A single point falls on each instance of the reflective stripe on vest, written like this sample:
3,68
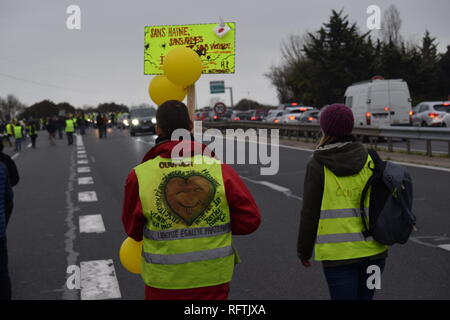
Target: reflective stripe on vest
339,233
342,213
188,257
187,236
188,233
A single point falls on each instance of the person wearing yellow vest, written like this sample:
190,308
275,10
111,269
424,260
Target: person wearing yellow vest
9,132
186,211
330,221
32,132
69,128
18,135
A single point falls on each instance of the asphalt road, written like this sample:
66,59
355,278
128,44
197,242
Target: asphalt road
44,235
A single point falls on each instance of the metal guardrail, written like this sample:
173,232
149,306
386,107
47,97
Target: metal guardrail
372,135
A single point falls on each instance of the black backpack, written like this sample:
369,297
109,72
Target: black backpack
390,210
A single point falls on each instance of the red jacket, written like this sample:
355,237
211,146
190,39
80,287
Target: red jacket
244,214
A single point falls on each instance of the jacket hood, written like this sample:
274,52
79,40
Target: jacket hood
164,149
342,158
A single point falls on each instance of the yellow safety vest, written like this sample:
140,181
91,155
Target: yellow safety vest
339,233
9,129
18,132
187,237
70,126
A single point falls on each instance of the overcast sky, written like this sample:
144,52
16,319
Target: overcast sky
40,58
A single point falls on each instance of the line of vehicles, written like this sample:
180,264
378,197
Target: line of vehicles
375,103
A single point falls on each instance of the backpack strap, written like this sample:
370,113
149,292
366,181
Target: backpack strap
376,172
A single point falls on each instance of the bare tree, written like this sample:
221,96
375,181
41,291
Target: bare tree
11,107
390,25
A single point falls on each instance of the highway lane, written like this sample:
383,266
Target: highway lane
270,268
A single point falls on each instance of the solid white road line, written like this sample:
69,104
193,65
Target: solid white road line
87,196
92,223
445,246
83,169
82,162
422,166
85,180
98,280
286,191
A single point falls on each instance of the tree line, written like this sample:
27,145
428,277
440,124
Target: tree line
317,67
11,107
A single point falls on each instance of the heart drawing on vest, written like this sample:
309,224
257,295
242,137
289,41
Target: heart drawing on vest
189,197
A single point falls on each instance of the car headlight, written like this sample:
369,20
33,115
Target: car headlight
135,122
125,122
153,120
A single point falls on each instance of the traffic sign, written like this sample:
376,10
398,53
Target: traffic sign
217,86
220,108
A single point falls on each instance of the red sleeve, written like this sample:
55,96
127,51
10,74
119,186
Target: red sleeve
245,215
132,216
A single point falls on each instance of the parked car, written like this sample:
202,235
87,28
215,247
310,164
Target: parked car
142,120
310,116
293,114
379,102
443,120
427,113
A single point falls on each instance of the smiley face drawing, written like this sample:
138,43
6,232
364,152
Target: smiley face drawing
189,197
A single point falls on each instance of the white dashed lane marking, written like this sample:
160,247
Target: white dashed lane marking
87,196
98,280
445,246
92,223
83,169
82,156
85,161
85,180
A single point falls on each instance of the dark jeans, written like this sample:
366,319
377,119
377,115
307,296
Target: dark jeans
33,140
70,137
349,282
5,282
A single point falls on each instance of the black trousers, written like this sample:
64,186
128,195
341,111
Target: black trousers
5,281
33,140
70,137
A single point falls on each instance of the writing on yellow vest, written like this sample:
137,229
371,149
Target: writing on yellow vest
339,233
70,127
187,236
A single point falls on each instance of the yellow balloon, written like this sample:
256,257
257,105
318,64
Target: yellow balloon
182,66
161,90
130,255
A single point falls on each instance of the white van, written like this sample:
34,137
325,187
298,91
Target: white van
378,103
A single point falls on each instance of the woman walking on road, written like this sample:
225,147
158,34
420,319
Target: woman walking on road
330,220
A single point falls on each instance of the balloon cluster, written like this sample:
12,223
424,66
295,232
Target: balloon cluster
182,67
